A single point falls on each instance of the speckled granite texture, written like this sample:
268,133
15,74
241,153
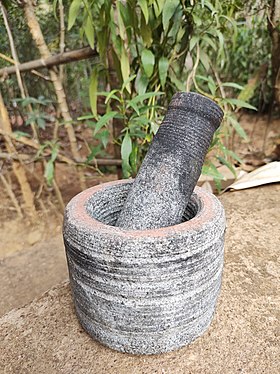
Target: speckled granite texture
143,291
172,166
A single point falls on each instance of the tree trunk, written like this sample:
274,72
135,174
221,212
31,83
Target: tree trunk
274,30
39,40
18,168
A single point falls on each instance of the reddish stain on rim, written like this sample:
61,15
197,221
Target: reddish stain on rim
77,207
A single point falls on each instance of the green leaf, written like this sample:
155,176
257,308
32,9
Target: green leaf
146,33
194,40
141,98
221,41
211,171
211,85
177,82
125,68
126,148
104,120
90,116
209,41
54,152
234,26
131,104
158,7
204,58
218,184
73,12
210,7
21,133
163,68
41,123
94,152
148,61
154,127
169,9
111,95
120,22
227,164
233,85
49,172
93,86
197,20
144,7
89,31
238,128
128,80
234,156
54,9
104,137
240,103
141,82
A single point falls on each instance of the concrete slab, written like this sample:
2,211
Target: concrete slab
45,337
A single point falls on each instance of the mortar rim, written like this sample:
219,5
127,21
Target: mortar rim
78,212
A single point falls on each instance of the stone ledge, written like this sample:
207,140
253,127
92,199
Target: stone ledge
45,337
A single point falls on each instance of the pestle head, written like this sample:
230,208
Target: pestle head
198,104
172,166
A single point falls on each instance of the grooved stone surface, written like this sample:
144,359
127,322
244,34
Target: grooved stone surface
147,291
244,337
172,166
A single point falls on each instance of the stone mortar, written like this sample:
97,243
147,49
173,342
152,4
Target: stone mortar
172,166
143,291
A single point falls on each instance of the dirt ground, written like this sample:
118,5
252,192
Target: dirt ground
244,337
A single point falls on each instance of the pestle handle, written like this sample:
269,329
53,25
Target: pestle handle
173,163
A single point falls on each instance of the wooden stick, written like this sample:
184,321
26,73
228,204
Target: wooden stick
11,194
16,60
62,58
9,59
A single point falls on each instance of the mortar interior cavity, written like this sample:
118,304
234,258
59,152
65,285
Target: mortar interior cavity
105,205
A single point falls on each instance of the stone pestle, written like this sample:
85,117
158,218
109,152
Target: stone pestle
172,166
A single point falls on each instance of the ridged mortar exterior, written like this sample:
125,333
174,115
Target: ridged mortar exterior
146,291
172,166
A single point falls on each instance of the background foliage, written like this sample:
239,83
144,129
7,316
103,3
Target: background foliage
164,46
148,50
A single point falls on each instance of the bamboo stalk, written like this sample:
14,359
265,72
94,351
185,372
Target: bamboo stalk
12,46
60,93
39,40
61,36
16,60
16,165
18,169
51,61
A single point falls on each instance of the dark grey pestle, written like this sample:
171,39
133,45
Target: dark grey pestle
172,166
